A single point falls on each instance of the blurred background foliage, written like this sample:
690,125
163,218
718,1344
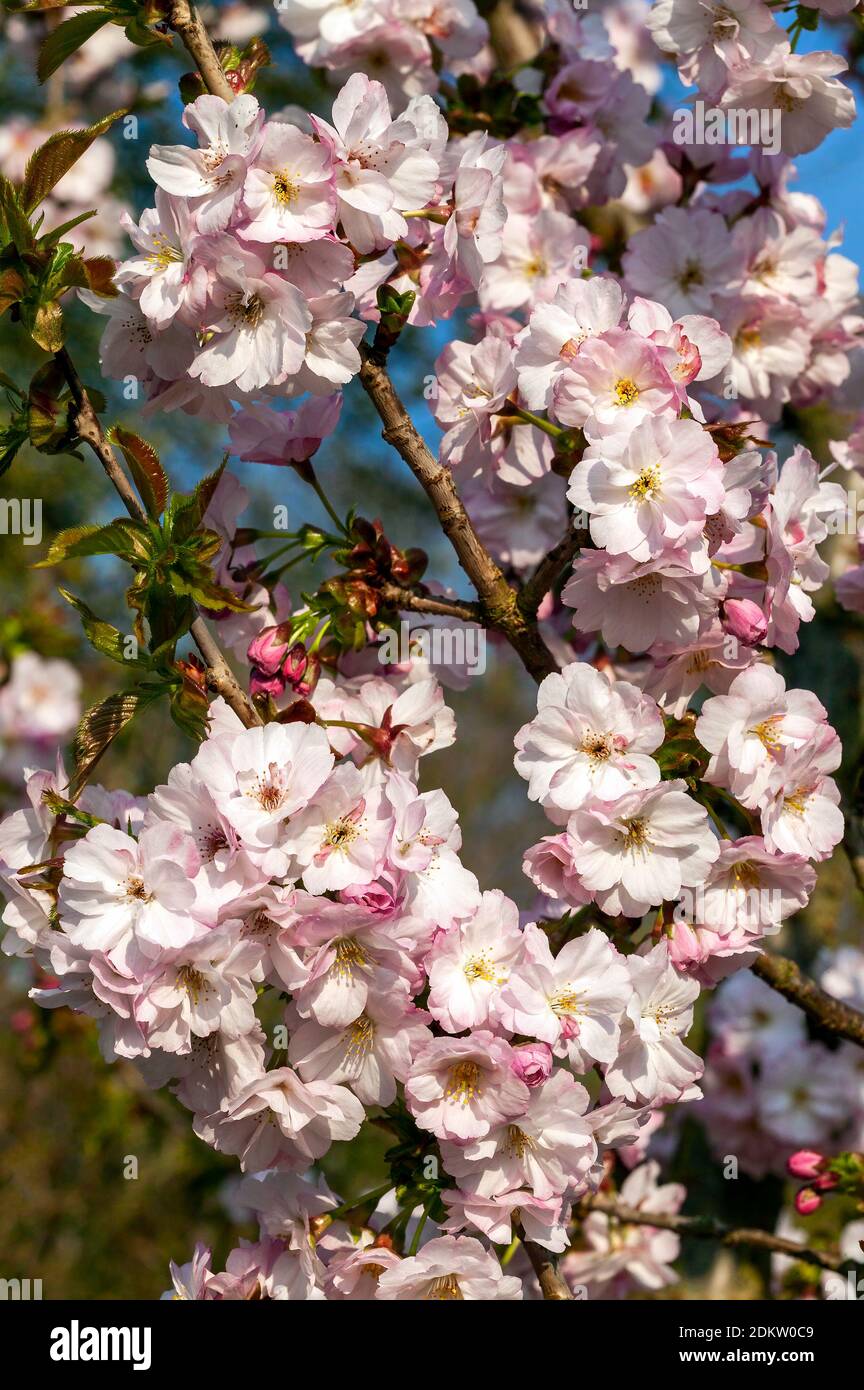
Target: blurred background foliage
71,1211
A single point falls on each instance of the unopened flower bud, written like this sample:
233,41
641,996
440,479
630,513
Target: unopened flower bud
807,1201
806,1163
744,619
532,1062
268,650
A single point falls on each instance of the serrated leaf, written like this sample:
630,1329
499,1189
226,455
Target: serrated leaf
18,229
100,276
128,539
189,710
66,39
187,513
47,166
148,474
100,726
59,806
103,636
12,288
51,238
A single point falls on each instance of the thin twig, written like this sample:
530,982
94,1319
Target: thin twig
187,24
220,677
706,1228
535,588
499,603
462,609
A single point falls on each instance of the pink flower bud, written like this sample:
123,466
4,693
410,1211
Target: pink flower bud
807,1201
745,620
806,1163
267,651
301,671
826,1181
532,1062
261,683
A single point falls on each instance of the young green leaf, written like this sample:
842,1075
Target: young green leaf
148,474
100,726
106,639
66,39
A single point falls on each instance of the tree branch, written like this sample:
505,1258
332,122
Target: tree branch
462,609
552,1285
499,603
186,22
535,589
706,1228
220,677
830,1013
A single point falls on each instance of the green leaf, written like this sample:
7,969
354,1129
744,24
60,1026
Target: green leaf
66,39
100,726
128,539
103,636
48,417
189,710
149,475
186,513
61,151
18,229
59,806
52,237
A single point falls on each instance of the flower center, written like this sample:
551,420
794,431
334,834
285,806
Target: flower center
350,956
285,189
797,802
135,889
163,253
192,982
646,485
691,275
479,967
358,1043
340,833
464,1083
626,391
766,731
518,1142
245,309
268,791
635,832
598,747
746,875
566,1001
446,1286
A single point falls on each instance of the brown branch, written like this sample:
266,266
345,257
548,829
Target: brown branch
499,603
535,588
220,677
186,22
463,609
552,1285
830,1013
706,1228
